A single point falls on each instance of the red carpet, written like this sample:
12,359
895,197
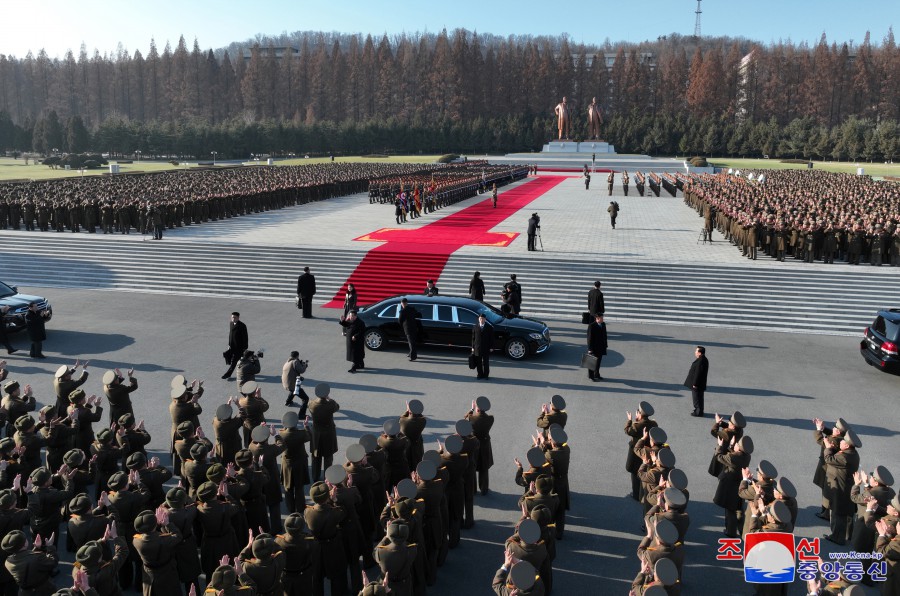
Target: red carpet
410,257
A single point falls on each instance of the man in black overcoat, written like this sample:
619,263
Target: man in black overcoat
696,379
482,344
37,333
596,340
238,342
595,300
306,289
356,340
409,322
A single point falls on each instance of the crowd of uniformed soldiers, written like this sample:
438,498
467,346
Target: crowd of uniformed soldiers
809,216
119,204
413,195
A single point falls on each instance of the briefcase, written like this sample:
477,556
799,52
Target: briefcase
585,318
473,361
588,361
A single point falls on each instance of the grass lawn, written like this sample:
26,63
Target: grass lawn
15,169
872,169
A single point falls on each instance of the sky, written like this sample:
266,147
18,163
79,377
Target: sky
60,25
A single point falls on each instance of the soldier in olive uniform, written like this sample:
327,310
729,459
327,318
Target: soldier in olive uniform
217,518
762,489
412,424
252,408
395,556
294,461
322,410
226,430
323,521
267,453
867,488
183,515
553,413
265,563
481,427
44,502
156,541
103,575
841,462
517,578
65,383
395,446
297,546
820,434
635,429
470,451
526,545
32,569
731,460
118,394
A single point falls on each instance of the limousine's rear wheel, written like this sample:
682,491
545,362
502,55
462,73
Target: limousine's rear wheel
375,339
516,349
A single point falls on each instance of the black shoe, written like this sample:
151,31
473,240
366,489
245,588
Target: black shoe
591,376
480,377
824,515
289,403
12,351
352,370
830,538
695,413
225,376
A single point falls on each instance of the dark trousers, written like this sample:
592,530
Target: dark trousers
483,366
411,340
697,396
484,480
157,232
4,338
732,527
595,372
469,498
235,356
295,498
612,220
306,304
317,466
275,518
37,348
531,238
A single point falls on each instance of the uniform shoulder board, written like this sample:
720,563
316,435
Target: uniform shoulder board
411,544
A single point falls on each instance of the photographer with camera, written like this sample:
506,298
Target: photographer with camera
534,224
248,367
291,377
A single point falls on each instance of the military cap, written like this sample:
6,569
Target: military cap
746,444
263,547
406,488
666,531
7,444
62,371
666,457
24,423
658,435
207,491
46,411
199,451
678,479
7,498
355,453
290,420
391,427
426,470
178,381
646,409
73,458
223,412
403,508
841,425
126,420
665,572
109,377
558,435
14,542
779,510
318,492
541,514
10,386
558,402
535,457
90,554
369,443
243,458
883,476
416,406
523,575
463,427
249,388
215,473
104,435
117,481
145,522
397,530
482,403
294,523
675,498
767,469
335,474
178,392
851,437
40,476
738,419
786,488
76,395
323,390
223,577
895,502
185,429
453,444
260,434
544,484
529,531
138,460
176,497
432,456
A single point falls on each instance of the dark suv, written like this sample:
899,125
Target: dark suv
449,320
881,345
18,306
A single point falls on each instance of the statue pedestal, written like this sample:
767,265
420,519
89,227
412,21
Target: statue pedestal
565,146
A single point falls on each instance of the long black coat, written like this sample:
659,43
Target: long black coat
483,339
237,337
476,289
34,322
595,302
356,340
306,285
697,375
596,339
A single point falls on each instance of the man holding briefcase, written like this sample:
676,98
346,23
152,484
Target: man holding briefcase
596,340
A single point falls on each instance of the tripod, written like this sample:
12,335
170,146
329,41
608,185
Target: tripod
540,241
704,236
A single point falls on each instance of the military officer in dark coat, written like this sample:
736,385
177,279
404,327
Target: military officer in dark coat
217,518
732,459
294,461
264,563
324,523
225,428
841,462
355,334
597,344
324,434
696,379
32,569
118,394
822,433
64,383
635,430
183,515
396,556
156,542
297,546
412,425
517,578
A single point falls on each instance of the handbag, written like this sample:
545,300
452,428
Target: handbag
585,318
473,361
588,361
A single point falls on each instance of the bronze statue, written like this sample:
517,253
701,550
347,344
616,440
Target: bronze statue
595,119
563,120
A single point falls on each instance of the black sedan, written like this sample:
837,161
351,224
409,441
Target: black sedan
18,306
449,320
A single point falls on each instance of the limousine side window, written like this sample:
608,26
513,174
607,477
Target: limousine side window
390,312
445,313
426,310
466,316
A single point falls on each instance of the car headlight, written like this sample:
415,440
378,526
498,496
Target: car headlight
536,336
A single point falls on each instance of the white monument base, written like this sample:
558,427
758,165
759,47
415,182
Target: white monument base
582,147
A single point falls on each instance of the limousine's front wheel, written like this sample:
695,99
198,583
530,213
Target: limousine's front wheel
516,349
375,339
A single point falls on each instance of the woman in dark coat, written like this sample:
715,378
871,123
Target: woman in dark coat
349,299
355,332
476,287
